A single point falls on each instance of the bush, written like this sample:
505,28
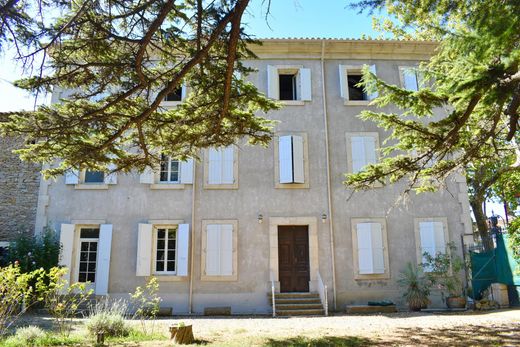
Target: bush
108,317
35,251
29,335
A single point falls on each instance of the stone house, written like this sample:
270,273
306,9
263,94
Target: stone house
246,221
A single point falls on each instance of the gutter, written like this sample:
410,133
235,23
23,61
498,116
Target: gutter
327,156
192,250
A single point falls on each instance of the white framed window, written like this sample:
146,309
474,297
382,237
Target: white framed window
91,179
362,150
170,171
163,248
171,174
176,97
219,250
86,250
350,91
431,235
410,78
291,161
370,245
289,83
221,168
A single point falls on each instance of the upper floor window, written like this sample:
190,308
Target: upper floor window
350,77
220,168
362,150
171,173
410,78
170,170
289,83
92,176
176,95
91,179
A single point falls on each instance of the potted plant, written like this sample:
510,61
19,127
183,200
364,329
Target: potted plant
443,270
416,289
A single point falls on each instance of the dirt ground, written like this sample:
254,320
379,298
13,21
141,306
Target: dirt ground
491,328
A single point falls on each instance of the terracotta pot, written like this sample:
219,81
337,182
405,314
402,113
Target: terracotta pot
456,302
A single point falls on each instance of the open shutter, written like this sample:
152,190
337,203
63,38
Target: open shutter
213,250
144,249
67,245
273,88
358,153
365,256
374,95
305,84
228,157
440,242
184,91
147,176
183,247
187,171
297,156
378,254
111,177
214,166
103,259
427,236
226,250
285,158
72,176
343,88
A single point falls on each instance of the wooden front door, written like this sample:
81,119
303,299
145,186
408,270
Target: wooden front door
293,258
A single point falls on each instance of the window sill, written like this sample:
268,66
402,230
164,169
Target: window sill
385,276
207,278
166,186
357,102
291,185
170,278
91,186
220,186
292,102
170,103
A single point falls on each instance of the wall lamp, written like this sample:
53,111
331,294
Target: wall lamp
260,218
323,217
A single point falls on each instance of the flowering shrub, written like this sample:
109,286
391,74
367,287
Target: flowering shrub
35,251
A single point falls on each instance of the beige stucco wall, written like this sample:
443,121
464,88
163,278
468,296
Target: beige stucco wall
128,203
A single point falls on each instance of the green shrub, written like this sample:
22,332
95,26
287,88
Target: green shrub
29,335
35,251
108,317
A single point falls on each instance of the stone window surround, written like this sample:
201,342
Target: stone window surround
276,165
348,135
208,278
289,69
234,185
353,69
312,223
443,220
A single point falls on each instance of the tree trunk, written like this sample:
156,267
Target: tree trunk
182,335
480,217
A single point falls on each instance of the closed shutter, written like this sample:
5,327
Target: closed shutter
285,158
111,177
72,176
215,166
144,249
364,236
226,250
378,254
298,158
147,176
183,247
228,157
374,95
187,171
273,88
343,90
409,78
370,149
213,250
358,153
103,259
67,246
305,84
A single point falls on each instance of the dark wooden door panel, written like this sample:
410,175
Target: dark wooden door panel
293,258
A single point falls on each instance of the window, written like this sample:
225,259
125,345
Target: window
171,174
87,257
431,235
92,176
289,83
91,179
370,248
410,78
362,150
170,170
219,257
165,247
176,95
290,156
349,78
220,168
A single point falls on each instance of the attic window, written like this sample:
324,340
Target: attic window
355,92
176,95
287,86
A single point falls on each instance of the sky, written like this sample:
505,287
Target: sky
287,18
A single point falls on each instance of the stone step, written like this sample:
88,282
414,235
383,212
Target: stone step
295,295
311,312
299,306
298,301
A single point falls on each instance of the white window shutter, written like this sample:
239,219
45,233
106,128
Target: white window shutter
144,249
273,88
305,84
343,87
72,176
285,158
213,250
365,256
370,149
358,153
378,252
298,158
183,249
214,166
184,92
111,177
103,259
374,95
409,78
147,176
67,246
226,250
228,156
440,242
427,236
187,171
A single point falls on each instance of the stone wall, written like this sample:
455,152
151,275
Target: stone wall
19,182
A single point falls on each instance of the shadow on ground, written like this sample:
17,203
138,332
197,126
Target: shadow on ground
346,341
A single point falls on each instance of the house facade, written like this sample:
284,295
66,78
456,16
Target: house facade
226,230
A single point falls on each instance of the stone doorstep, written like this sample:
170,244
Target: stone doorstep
217,311
353,309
